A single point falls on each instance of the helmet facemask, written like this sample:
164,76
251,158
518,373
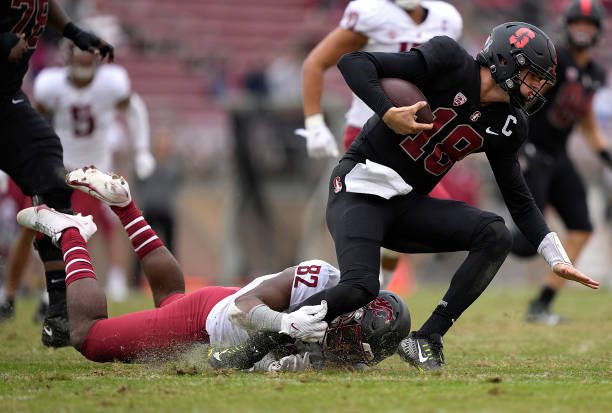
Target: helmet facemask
343,341
513,84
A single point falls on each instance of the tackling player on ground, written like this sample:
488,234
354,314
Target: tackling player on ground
30,151
378,192
550,173
220,316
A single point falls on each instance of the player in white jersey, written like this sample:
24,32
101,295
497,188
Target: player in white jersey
376,26
369,25
83,100
220,316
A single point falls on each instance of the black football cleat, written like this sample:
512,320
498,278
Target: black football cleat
244,355
423,352
538,313
7,310
55,328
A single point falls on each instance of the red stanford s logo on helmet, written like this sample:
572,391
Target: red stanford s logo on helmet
521,37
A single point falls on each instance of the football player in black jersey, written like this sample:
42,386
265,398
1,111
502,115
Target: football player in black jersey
378,191
30,151
550,174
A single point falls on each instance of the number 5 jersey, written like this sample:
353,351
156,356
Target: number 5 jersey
84,117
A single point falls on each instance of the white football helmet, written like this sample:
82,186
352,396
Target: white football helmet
408,4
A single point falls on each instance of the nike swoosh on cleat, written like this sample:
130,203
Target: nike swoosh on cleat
48,331
421,358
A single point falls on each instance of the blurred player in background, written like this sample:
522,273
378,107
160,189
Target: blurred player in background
83,100
220,316
550,174
12,243
30,151
369,25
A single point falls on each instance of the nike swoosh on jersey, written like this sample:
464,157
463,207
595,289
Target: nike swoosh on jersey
492,132
16,101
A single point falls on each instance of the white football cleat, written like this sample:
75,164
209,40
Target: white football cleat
111,189
50,222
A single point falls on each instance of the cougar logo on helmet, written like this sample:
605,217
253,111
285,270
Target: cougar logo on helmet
379,305
521,37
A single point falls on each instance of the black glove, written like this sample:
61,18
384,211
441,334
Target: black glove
88,41
605,156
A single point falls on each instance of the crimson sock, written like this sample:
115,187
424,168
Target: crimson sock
143,238
76,257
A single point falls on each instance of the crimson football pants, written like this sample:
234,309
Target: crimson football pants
157,333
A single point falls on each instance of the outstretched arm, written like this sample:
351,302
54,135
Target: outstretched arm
59,20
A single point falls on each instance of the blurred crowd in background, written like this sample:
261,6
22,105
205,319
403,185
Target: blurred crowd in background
222,83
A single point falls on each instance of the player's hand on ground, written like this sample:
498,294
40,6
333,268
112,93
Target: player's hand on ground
572,273
17,52
403,121
306,323
144,164
320,142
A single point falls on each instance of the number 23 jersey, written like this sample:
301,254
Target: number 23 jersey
309,278
83,117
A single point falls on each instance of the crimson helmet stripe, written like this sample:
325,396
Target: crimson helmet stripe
586,6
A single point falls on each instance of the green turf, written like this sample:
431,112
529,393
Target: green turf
496,363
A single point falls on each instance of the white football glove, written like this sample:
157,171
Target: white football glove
320,142
306,323
294,362
144,164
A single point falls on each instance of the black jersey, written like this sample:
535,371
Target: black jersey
450,80
27,17
567,102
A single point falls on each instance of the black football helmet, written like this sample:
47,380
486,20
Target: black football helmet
513,46
590,10
369,334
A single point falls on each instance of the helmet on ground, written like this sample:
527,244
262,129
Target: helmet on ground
367,335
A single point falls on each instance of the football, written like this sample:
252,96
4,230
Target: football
404,93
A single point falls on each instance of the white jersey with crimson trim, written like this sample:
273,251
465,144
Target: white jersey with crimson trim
83,117
309,278
391,29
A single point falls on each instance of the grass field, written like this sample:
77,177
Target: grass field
496,363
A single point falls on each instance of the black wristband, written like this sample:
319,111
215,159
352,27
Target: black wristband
71,31
604,154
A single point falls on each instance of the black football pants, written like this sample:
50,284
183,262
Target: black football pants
361,224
